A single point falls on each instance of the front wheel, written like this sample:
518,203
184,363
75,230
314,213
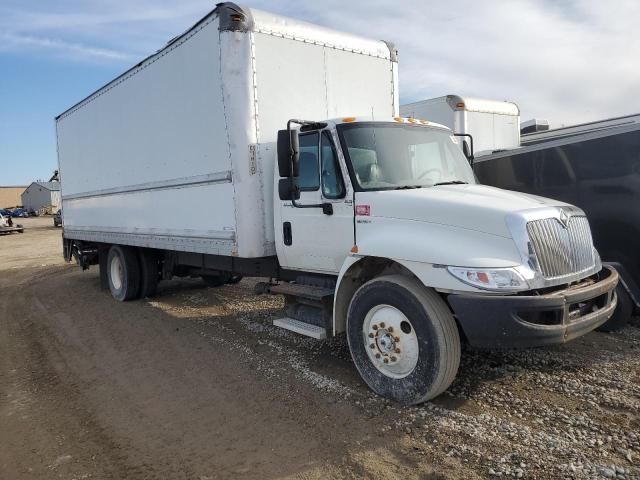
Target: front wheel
622,313
403,339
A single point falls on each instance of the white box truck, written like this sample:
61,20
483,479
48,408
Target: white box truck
193,163
490,125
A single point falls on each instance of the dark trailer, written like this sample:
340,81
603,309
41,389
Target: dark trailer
595,166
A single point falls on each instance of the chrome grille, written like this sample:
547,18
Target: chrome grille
562,251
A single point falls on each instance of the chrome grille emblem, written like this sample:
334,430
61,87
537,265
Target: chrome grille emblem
564,218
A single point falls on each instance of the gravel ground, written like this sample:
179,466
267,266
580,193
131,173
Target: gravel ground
197,383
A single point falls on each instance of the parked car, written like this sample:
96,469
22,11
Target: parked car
57,218
20,213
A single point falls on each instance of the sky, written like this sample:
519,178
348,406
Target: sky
564,61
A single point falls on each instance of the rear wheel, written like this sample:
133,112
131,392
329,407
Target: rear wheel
149,273
403,339
103,256
622,313
123,270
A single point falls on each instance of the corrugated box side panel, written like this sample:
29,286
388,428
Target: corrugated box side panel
146,160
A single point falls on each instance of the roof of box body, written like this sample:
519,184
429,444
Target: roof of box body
236,18
472,104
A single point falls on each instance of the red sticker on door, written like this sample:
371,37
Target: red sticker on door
363,210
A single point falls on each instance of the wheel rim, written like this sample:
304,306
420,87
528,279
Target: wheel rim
116,272
390,341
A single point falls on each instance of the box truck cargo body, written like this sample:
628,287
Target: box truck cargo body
256,145
192,129
493,124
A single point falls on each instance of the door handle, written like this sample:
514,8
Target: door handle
286,233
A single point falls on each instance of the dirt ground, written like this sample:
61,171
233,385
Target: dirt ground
197,384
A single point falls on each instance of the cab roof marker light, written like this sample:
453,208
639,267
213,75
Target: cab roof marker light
398,119
411,120
349,119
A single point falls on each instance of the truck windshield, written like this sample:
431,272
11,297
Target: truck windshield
386,156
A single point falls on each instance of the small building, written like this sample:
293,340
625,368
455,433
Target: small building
10,195
42,195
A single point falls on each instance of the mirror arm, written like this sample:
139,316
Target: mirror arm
471,156
327,208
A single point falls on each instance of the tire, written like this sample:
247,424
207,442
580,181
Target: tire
149,273
427,349
622,313
123,271
234,279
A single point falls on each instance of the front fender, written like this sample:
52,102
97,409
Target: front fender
423,251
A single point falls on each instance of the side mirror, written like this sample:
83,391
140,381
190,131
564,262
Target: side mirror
287,189
288,153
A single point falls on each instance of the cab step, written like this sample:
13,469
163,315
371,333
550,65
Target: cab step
310,292
302,328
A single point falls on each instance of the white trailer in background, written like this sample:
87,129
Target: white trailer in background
192,163
494,125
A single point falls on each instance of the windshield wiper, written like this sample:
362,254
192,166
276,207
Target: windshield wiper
451,182
408,187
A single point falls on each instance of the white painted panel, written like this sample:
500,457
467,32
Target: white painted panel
190,211
290,82
358,85
159,122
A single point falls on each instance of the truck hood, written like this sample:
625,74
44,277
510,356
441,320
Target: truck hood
474,207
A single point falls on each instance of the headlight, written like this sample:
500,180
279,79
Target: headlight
499,279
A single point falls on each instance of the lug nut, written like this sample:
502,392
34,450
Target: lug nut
393,359
397,339
372,346
386,360
381,324
397,350
375,327
377,355
371,335
390,329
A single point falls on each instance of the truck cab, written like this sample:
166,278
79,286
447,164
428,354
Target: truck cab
420,257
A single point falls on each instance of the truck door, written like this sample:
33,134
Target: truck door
308,239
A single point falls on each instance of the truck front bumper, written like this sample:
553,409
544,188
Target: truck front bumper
490,321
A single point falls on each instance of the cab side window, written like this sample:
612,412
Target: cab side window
332,184
308,178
